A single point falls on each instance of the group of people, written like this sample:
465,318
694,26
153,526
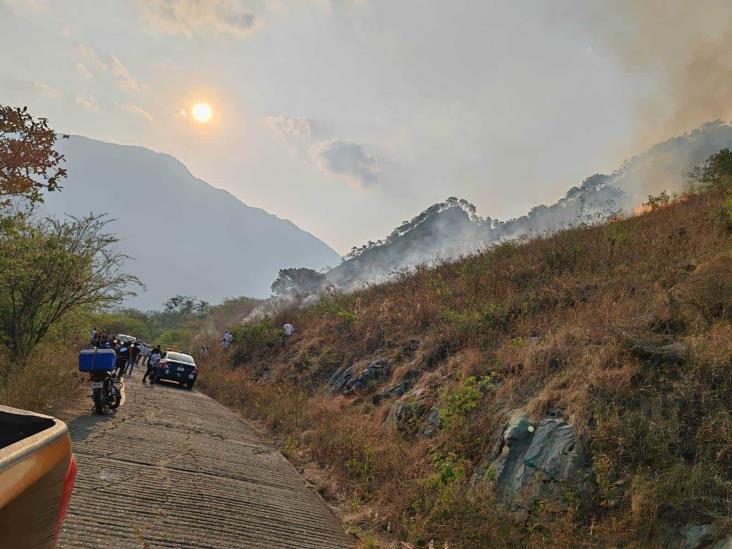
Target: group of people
130,354
228,338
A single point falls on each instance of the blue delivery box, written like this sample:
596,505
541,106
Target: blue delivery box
97,360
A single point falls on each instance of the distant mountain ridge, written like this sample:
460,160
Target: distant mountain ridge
186,237
450,229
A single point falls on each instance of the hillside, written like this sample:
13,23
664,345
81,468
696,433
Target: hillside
447,231
574,390
185,236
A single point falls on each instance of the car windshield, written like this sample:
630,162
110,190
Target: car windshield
179,357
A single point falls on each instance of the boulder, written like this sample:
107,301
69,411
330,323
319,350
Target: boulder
345,382
534,461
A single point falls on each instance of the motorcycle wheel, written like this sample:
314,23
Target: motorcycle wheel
115,398
99,402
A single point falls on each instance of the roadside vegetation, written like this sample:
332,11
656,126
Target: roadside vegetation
54,273
623,329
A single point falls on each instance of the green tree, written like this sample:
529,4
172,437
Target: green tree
50,268
298,281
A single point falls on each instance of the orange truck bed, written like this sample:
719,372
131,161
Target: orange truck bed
37,471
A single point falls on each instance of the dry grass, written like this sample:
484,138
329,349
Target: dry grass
553,323
50,378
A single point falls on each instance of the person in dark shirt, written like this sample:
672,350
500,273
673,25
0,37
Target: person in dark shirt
134,354
123,355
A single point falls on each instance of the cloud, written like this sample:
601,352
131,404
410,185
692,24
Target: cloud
91,59
123,76
138,111
93,63
84,73
343,157
292,131
89,102
47,91
190,17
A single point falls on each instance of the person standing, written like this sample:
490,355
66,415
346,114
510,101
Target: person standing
123,354
144,352
134,354
287,331
152,365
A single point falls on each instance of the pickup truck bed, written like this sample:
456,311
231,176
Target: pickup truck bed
37,471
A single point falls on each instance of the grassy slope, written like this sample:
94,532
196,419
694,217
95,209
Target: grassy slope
547,325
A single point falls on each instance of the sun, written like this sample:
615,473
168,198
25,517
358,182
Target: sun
202,112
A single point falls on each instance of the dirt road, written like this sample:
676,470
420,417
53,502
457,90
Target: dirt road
174,468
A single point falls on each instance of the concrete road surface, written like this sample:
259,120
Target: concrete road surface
174,468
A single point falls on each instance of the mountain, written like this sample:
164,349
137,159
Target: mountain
451,229
186,237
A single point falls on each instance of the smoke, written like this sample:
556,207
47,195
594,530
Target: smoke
684,46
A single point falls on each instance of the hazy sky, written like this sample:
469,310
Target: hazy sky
347,117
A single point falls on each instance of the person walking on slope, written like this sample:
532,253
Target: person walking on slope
152,365
287,331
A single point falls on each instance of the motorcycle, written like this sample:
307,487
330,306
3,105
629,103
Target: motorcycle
106,391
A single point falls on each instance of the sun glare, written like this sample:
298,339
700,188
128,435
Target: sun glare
202,112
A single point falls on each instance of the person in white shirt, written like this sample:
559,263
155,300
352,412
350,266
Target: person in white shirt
227,339
287,331
152,365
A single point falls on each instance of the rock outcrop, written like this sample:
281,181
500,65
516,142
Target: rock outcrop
432,424
661,352
344,380
535,461
406,415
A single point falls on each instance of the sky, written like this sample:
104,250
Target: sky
349,116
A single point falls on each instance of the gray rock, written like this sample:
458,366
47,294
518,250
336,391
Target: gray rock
694,536
397,390
340,378
534,461
657,353
432,424
345,382
406,415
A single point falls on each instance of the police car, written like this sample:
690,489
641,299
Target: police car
180,367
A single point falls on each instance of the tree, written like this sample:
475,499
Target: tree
298,281
716,171
48,269
29,164
186,306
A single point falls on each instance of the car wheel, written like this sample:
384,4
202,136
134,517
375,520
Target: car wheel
189,385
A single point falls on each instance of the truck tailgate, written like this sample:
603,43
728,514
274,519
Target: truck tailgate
35,466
